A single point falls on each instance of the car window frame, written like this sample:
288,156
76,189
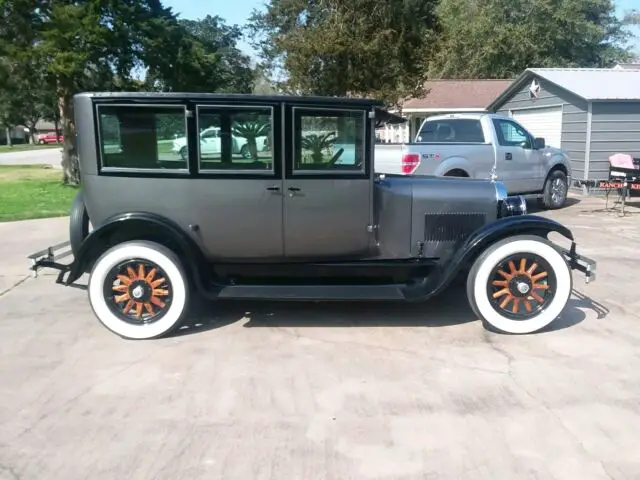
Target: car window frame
362,172
232,171
102,168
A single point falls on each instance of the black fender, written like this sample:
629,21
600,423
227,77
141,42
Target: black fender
78,223
139,226
476,243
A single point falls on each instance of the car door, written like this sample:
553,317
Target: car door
327,203
239,200
516,161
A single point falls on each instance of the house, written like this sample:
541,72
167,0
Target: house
591,113
20,134
443,96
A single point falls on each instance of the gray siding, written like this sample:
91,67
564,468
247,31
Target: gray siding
615,128
574,118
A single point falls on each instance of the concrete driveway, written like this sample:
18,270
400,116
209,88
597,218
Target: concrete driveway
324,391
41,156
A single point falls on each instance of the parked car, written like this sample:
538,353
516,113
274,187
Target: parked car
302,227
49,137
211,145
477,145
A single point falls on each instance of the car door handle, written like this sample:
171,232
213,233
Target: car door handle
508,156
273,188
294,189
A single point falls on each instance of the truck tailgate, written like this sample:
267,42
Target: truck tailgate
388,158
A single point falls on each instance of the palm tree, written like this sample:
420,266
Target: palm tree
318,144
250,131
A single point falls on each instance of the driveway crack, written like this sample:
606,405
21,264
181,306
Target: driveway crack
15,285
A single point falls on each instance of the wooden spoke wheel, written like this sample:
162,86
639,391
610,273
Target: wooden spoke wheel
139,290
520,284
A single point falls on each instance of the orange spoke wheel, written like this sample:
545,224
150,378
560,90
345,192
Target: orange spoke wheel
138,291
521,286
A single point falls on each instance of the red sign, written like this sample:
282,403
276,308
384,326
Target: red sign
631,186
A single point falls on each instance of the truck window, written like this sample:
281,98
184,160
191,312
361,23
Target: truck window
510,134
453,130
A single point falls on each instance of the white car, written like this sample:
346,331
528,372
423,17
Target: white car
210,144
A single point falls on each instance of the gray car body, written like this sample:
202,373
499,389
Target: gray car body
523,169
277,234
238,219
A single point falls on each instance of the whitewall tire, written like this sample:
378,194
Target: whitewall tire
520,284
139,290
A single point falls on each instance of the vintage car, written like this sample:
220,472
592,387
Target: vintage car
296,224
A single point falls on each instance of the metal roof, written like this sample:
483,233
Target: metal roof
588,83
595,83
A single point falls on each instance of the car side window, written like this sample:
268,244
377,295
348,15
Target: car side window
510,134
141,137
235,139
329,140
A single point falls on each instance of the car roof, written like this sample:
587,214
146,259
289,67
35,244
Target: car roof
195,96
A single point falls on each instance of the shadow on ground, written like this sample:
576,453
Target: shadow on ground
450,308
534,207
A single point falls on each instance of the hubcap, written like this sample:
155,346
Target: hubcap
558,190
138,292
521,286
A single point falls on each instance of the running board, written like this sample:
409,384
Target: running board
313,292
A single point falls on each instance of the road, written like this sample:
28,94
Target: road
42,156
269,390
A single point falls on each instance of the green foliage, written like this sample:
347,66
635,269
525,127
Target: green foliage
250,131
84,45
500,38
347,47
317,144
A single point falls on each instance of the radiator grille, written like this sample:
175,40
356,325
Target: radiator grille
451,227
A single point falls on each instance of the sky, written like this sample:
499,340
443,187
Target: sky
238,11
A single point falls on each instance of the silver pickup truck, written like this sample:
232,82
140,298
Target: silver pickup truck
482,146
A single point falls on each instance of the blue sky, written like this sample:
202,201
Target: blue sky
238,11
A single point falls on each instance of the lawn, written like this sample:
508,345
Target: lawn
33,191
22,147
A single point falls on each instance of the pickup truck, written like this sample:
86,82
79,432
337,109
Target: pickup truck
484,146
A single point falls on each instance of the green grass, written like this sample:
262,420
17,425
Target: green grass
33,191
22,147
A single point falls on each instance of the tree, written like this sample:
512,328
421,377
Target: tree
98,44
346,47
230,68
501,38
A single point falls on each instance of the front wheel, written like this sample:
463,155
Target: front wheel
555,190
519,285
139,290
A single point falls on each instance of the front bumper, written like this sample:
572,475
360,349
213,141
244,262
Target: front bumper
581,263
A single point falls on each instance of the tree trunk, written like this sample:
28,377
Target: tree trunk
7,131
70,168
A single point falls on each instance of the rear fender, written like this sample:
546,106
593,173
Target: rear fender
454,163
477,242
138,226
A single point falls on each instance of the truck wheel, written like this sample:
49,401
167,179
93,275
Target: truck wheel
139,290
244,151
184,153
78,223
555,190
519,285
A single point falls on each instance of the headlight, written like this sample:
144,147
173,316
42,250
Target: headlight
512,206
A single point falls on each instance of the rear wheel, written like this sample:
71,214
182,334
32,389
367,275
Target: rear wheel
78,223
519,285
457,173
139,290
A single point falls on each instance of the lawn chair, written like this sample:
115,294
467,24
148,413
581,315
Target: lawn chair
624,174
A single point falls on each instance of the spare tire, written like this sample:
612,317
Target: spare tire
78,223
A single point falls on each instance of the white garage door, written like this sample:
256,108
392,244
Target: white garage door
542,122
